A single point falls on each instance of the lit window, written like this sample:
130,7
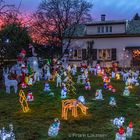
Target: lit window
75,54
79,53
104,54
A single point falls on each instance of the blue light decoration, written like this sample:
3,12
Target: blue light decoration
7,40
54,128
105,85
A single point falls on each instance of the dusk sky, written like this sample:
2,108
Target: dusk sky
114,9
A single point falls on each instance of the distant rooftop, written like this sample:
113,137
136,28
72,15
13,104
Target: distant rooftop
106,22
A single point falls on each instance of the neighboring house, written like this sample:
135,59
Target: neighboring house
106,42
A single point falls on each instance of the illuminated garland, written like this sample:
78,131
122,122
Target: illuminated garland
23,102
136,53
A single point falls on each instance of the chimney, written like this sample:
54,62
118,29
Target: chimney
103,17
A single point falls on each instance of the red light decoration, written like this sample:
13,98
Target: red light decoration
130,125
136,53
121,131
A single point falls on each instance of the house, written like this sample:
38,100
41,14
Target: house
106,41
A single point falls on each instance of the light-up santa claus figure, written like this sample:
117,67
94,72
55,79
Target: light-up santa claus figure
21,56
121,134
30,96
129,130
87,85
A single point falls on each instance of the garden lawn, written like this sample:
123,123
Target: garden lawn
34,124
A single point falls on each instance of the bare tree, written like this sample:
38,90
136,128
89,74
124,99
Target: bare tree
6,8
57,19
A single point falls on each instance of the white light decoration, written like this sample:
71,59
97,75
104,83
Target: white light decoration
33,62
54,128
5,135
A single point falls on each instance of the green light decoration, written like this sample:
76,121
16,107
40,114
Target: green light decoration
30,69
48,61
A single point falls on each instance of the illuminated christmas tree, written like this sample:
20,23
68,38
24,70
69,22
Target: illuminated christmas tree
70,85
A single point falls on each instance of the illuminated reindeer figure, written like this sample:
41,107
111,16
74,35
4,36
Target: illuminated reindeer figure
8,82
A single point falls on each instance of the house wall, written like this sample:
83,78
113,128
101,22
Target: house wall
118,28
107,43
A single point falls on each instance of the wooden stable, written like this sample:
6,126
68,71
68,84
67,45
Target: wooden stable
72,104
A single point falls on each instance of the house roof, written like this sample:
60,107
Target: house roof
132,29
106,22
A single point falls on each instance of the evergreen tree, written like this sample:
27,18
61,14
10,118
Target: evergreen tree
14,37
70,85
136,17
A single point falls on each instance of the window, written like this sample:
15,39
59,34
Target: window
75,54
110,28
102,29
79,53
98,29
107,29
104,54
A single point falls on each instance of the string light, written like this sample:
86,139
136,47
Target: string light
23,102
72,104
136,53
70,85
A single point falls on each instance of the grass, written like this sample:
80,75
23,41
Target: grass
95,126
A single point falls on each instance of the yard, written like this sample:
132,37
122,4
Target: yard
34,124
